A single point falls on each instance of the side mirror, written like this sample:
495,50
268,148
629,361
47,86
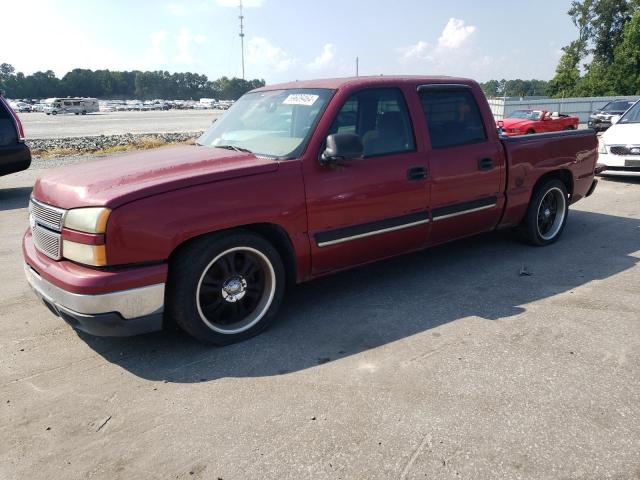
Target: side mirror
615,119
341,147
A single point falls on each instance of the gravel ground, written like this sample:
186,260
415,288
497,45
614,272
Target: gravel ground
100,142
40,125
445,364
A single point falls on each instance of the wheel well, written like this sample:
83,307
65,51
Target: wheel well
274,234
564,175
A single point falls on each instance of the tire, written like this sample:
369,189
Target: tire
547,214
54,113
225,288
570,127
531,131
84,112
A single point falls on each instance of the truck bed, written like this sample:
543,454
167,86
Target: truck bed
532,156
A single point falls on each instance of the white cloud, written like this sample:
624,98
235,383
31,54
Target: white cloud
325,59
154,55
447,57
263,58
235,3
420,51
184,43
455,34
177,9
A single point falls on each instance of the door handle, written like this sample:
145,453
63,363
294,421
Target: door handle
416,173
485,164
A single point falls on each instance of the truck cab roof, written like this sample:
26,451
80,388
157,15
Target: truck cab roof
363,82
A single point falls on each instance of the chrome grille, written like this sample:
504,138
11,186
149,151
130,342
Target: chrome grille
47,242
625,149
46,215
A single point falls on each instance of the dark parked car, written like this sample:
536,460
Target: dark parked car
600,120
14,153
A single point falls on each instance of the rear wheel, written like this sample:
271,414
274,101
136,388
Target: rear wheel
569,127
547,214
226,288
531,131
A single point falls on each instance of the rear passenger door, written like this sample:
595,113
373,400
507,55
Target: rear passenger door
466,163
375,207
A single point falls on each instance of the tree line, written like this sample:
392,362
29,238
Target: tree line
609,45
515,88
109,84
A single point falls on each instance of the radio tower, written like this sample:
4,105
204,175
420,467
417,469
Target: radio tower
241,17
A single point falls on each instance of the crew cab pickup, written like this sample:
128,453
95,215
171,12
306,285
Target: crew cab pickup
295,181
15,155
528,122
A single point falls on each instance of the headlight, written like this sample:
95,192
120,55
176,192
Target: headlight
95,255
602,148
88,220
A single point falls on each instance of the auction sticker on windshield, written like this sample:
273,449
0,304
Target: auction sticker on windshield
300,99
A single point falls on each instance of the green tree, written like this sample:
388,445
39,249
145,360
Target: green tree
567,71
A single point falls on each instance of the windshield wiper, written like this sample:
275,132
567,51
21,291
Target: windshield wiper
233,147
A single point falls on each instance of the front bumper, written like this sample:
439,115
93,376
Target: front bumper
115,314
619,163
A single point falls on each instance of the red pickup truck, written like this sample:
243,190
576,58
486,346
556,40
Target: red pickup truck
528,122
296,181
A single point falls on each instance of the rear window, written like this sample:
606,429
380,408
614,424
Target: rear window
8,134
453,118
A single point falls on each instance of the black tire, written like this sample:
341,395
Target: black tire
531,131
541,225
245,279
569,127
54,113
84,112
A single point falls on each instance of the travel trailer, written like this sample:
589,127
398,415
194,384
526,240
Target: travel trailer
79,106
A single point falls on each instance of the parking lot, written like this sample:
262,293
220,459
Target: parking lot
39,125
444,364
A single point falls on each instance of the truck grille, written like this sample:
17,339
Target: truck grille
46,223
47,242
46,215
625,150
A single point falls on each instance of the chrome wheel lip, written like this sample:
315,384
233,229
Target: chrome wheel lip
560,213
265,301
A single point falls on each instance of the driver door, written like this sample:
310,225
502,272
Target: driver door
375,207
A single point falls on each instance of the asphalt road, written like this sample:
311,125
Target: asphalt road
445,364
40,125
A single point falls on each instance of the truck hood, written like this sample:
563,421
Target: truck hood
117,180
622,134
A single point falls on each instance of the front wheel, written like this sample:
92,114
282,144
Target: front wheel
225,288
547,214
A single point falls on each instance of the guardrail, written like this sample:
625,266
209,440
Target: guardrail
581,107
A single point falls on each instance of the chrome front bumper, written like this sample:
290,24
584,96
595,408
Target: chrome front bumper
122,313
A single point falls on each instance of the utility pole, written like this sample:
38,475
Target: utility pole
241,17
357,67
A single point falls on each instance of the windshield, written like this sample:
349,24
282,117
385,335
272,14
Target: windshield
632,115
526,114
617,106
275,123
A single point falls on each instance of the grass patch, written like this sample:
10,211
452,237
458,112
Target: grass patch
54,152
144,143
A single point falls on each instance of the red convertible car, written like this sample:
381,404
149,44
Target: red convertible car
527,122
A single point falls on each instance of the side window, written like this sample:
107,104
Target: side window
453,118
381,120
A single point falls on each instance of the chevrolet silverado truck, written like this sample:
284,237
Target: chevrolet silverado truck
528,122
295,181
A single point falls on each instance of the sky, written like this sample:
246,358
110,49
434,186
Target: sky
289,39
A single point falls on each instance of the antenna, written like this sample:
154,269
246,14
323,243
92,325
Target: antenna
241,17
357,67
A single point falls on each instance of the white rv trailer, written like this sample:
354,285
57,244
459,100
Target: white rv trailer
79,106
